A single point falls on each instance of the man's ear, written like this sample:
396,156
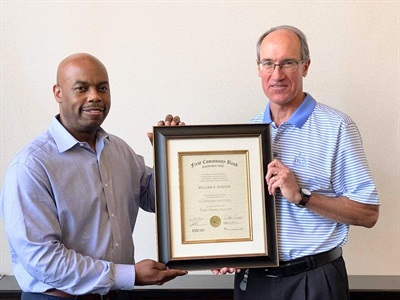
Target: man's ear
306,66
57,93
258,68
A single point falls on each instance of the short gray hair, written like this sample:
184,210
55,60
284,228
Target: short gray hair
305,52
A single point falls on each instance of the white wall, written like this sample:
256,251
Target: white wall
197,59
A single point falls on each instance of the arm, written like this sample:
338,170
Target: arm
347,193
36,240
344,210
338,209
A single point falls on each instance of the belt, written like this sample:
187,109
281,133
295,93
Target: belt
302,264
110,295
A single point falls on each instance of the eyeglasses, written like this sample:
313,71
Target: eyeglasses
288,66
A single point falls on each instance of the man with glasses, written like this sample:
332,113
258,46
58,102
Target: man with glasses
319,176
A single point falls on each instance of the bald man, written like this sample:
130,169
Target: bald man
71,197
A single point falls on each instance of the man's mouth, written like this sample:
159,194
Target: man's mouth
93,110
278,87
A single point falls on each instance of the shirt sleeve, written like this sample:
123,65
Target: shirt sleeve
34,232
147,196
351,175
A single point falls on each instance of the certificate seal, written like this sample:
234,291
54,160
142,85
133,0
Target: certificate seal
215,221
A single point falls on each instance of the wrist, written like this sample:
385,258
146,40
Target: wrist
305,196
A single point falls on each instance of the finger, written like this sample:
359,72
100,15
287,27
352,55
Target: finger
182,272
270,189
268,175
276,163
224,270
169,118
176,120
160,123
271,170
176,272
150,137
182,123
271,178
171,274
160,266
273,185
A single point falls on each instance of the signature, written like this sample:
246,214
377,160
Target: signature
232,218
196,221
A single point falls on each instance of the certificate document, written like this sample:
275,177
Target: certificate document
215,196
212,203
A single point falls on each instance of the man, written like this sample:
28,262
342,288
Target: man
71,197
319,176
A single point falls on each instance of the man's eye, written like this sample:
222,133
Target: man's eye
104,88
288,64
268,64
80,88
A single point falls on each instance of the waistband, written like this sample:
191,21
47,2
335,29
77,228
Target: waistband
110,295
302,264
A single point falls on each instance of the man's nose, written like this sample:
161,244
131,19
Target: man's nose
277,73
94,95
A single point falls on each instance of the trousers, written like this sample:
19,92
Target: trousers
122,295
326,282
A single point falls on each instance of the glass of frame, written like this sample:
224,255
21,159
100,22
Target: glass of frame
213,208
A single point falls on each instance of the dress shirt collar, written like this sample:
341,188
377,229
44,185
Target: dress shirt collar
63,139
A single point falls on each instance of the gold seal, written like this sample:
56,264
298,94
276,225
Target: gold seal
215,221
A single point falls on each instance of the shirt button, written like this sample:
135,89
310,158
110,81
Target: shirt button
81,144
112,215
106,185
116,244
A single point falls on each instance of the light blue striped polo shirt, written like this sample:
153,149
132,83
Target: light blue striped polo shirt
323,148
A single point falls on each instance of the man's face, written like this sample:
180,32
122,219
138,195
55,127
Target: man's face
282,87
83,94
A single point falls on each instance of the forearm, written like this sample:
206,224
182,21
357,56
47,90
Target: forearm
64,269
344,210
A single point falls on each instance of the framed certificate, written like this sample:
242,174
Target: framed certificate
212,204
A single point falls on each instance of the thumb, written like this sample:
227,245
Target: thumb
150,137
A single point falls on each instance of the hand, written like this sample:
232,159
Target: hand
150,272
225,270
169,121
280,177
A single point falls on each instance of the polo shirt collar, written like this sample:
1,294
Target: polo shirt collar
301,114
